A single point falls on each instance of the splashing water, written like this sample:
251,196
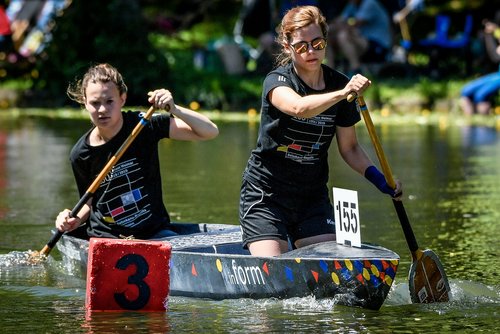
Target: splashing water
25,258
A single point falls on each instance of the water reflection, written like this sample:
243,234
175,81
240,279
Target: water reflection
478,135
473,210
134,322
3,172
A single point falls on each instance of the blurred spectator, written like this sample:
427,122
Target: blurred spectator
476,96
5,32
22,15
400,17
31,22
40,34
259,19
409,7
362,33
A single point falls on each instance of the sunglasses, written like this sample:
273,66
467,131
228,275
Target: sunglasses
301,47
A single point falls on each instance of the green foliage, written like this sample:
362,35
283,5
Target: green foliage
92,32
432,91
209,85
125,34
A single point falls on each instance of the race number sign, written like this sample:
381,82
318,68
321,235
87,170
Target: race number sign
127,275
347,225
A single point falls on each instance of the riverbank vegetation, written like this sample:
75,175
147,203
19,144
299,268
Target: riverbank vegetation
176,45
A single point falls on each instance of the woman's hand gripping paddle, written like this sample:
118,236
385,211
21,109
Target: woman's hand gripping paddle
95,185
427,280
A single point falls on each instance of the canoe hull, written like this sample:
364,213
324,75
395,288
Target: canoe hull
203,268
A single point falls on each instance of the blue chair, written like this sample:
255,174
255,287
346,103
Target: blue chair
442,38
442,45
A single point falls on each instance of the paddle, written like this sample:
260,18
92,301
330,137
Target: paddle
95,185
427,280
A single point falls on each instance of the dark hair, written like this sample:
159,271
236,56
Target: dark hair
98,73
294,19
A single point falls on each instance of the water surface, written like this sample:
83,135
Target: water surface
451,178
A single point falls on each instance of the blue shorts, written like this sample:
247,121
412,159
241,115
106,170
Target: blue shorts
482,88
264,215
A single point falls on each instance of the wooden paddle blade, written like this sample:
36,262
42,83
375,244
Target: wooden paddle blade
428,281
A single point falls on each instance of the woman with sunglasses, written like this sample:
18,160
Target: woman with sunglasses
284,194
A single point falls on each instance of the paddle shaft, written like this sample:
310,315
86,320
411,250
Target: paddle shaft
427,279
95,185
386,169
405,32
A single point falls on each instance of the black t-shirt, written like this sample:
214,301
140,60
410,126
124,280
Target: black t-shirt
292,153
129,201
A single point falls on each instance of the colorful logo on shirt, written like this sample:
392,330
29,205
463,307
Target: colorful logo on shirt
124,201
127,199
306,136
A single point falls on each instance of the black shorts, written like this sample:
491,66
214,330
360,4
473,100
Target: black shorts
265,216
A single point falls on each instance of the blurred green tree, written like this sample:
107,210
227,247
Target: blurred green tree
92,32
